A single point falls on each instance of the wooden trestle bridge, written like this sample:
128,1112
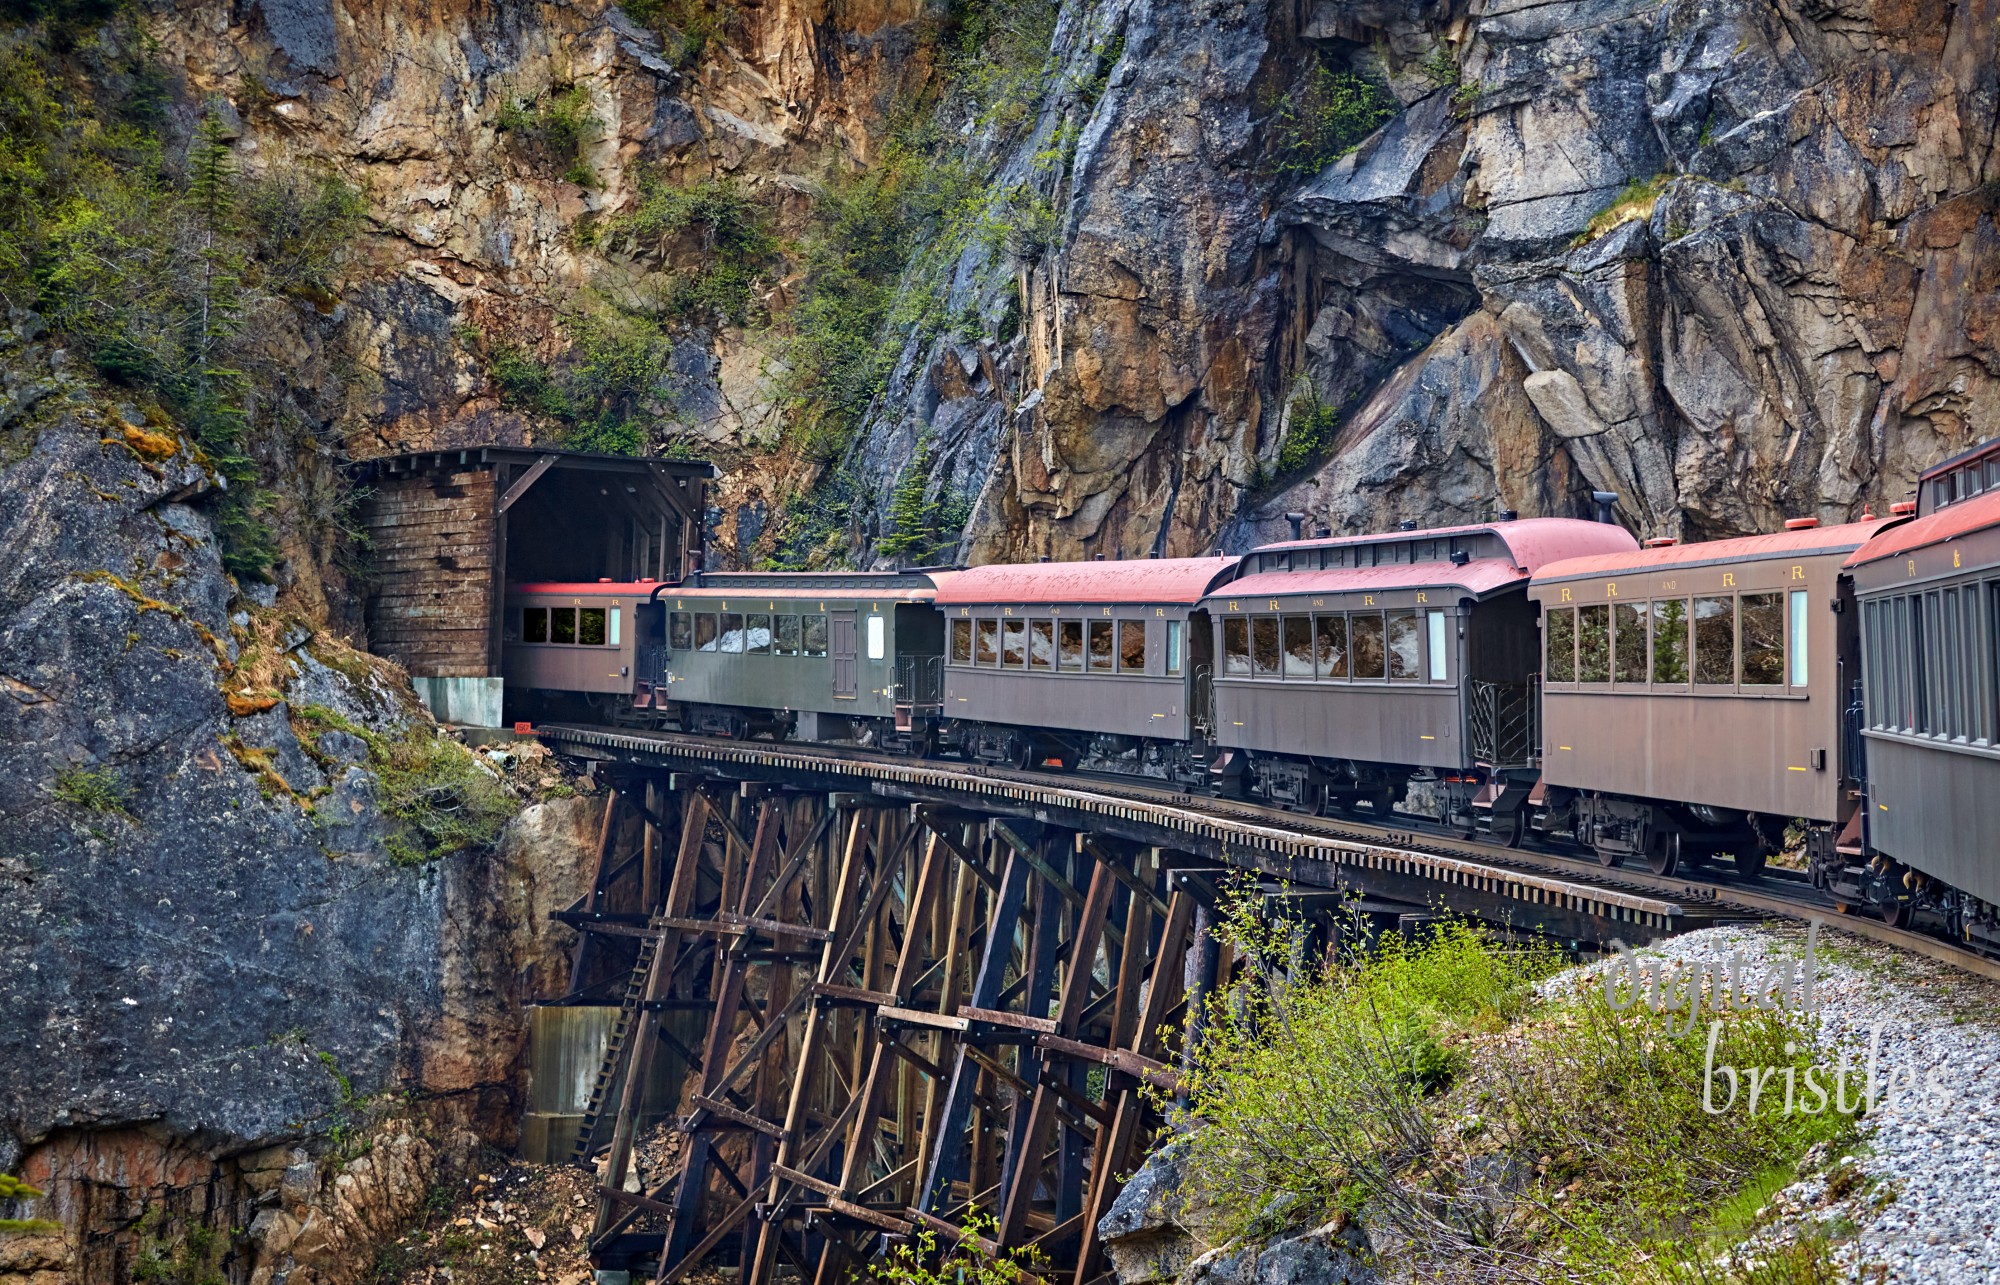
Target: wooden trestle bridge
917,997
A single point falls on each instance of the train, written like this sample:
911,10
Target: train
1827,691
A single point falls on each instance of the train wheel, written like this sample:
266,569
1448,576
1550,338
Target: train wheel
1515,832
1664,856
1896,914
1750,860
1608,857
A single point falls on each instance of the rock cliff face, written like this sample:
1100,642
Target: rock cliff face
1734,262
211,967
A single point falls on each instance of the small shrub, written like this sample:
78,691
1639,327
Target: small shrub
1440,68
1310,427
1326,119
441,797
558,129
918,1260
920,525
100,789
607,391
689,26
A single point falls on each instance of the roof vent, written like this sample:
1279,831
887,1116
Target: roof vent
1407,525
604,579
1324,533
1043,558
1459,557
1903,508
1510,515
1662,542
646,580
1099,558
1298,521
1604,500
1801,524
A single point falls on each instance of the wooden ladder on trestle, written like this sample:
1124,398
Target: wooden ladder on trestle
614,1048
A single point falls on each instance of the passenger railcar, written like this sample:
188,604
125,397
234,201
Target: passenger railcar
1097,664
564,641
1930,719
1349,666
1692,695
827,656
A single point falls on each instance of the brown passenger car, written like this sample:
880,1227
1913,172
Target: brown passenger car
1347,665
1693,695
1930,604
1093,663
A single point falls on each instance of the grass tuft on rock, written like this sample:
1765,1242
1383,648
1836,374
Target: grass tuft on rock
1633,204
92,789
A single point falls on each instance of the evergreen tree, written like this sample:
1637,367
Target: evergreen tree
913,515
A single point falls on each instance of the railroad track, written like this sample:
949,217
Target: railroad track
1676,903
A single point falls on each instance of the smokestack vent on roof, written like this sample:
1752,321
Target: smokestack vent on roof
1801,524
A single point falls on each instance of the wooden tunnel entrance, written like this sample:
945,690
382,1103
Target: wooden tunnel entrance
438,526
916,1018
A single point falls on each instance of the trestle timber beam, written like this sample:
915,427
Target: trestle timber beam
915,1015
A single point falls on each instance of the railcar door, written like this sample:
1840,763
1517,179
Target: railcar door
841,650
1201,673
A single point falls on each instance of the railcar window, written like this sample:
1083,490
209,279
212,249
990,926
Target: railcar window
1236,648
680,631
1014,643
1715,641
1042,644
961,642
1628,641
1438,646
1069,644
611,633
1405,645
1932,709
1560,667
704,631
1264,646
1364,633
787,643
562,624
1796,640
1101,645
1298,647
590,626
1174,647
1670,642
1760,626
535,624
1593,643
812,630
989,643
878,637
1330,646
757,633
1132,646
732,631
1953,640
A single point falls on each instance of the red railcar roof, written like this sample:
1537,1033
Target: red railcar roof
1478,577
857,586
1948,523
1811,542
1164,580
1532,541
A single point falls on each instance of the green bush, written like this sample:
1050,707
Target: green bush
1310,427
1326,119
1382,1085
607,392
12,1188
100,789
718,225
